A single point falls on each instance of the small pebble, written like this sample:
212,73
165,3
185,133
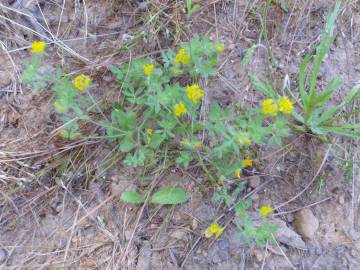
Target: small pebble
306,223
342,199
194,224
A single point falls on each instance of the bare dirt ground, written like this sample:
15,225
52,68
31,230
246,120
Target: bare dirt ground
59,200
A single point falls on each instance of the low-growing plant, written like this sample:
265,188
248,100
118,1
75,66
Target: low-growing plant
248,232
318,117
158,114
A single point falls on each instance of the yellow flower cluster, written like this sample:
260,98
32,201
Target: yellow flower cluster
265,210
285,105
271,108
81,81
38,47
148,69
247,163
182,57
194,93
149,131
214,230
179,109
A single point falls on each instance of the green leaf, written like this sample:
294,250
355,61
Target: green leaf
169,196
215,112
343,131
132,197
136,159
123,120
247,57
156,140
323,48
184,159
127,144
302,77
263,87
329,90
351,96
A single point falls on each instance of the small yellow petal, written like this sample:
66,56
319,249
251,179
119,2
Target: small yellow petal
179,109
38,47
219,232
182,57
265,210
285,105
148,69
214,227
186,59
269,108
194,93
247,163
81,81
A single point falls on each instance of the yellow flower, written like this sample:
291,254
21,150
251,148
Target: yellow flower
182,57
194,93
265,210
149,131
247,163
285,105
214,230
38,47
81,81
179,109
269,107
148,69
220,47
237,173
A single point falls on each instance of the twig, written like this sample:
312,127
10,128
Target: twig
283,253
299,208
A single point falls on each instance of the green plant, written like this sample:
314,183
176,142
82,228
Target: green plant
69,103
318,117
248,231
157,118
190,8
261,233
